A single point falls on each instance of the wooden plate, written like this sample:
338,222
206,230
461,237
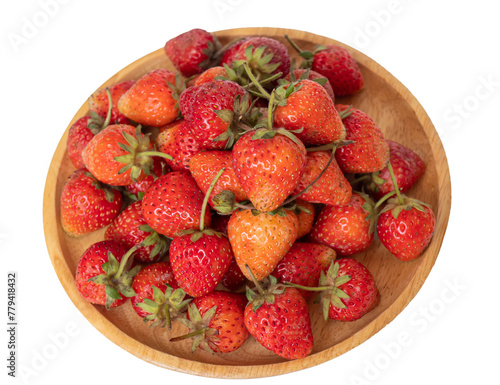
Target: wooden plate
400,117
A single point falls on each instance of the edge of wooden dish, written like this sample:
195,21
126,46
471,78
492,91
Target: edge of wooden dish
162,359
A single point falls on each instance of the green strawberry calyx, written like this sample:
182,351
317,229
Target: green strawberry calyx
165,307
138,157
117,277
161,242
264,291
308,56
96,123
199,329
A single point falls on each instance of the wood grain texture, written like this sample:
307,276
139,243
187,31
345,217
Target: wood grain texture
400,117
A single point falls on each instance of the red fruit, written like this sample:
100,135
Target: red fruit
131,229
102,287
208,75
191,52
306,219
156,298
408,167
311,109
337,64
160,167
119,155
348,229
173,203
406,227
87,205
268,169
302,73
331,189
206,164
219,222
369,152
98,102
177,140
234,277
217,322
199,261
260,240
352,293
212,109
151,100
229,53
278,318
262,46
303,265
79,136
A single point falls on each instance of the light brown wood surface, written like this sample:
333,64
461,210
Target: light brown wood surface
400,117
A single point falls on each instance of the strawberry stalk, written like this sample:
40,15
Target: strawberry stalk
207,196
395,183
307,55
96,123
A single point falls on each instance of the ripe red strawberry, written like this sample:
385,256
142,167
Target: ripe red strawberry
306,218
173,203
177,140
152,100
310,108
208,75
260,240
99,103
87,205
265,56
405,227
158,297
103,276
216,322
137,189
206,164
268,168
278,318
408,167
303,265
331,189
131,229
348,229
302,73
119,155
212,110
370,151
335,63
192,52
79,136
352,291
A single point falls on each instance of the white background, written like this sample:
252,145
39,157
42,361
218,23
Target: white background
446,53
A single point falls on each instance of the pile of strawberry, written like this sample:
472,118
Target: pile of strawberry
239,170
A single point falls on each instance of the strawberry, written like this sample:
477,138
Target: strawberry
309,112
405,227
302,73
99,102
152,100
332,188
174,203
200,258
351,291
408,167
206,164
370,151
177,140
349,228
278,318
260,240
86,204
305,213
78,137
209,75
137,189
119,155
213,110
216,322
103,276
268,165
158,297
303,265
336,64
264,55
130,228
193,51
